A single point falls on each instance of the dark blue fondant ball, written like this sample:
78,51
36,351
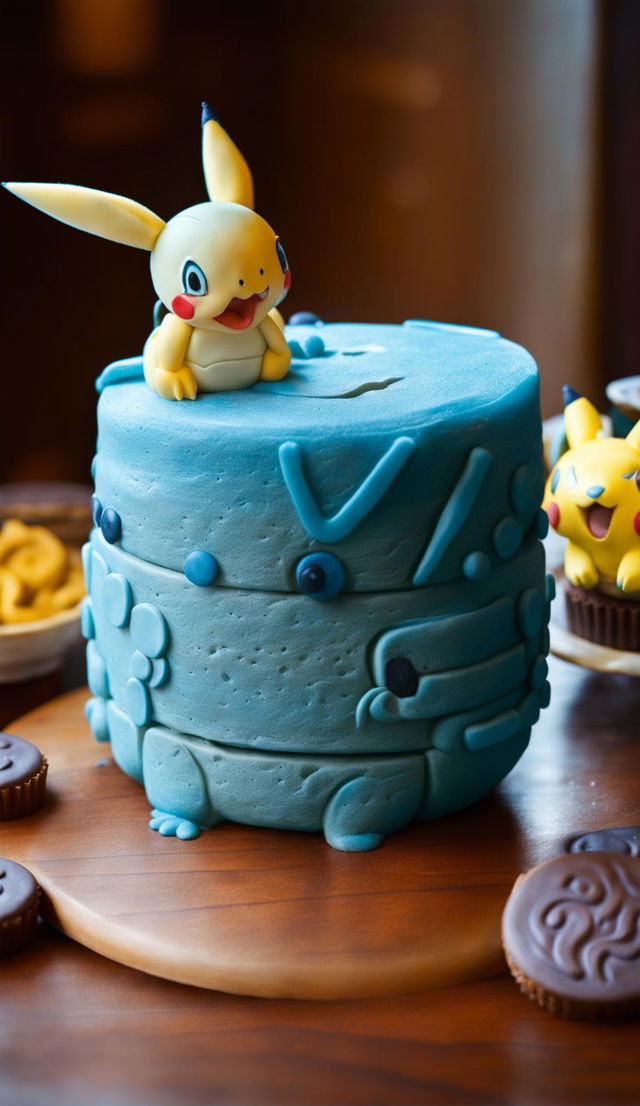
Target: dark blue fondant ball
111,525
320,575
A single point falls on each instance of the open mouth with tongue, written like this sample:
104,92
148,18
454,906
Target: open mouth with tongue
599,519
238,314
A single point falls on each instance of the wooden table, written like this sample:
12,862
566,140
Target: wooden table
79,1030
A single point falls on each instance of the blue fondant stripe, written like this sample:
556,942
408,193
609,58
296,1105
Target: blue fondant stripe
455,512
361,503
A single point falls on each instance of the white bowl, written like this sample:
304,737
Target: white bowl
33,649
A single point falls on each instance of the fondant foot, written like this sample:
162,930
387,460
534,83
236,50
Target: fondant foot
171,825
359,817
354,842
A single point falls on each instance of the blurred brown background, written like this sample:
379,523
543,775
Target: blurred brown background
472,161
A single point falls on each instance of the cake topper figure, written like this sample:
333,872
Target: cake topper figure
593,499
217,267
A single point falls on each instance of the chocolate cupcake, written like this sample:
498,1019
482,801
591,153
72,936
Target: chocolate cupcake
19,898
571,937
602,618
23,776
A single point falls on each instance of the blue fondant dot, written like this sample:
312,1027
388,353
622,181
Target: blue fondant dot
99,571
149,630
97,676
549,587
96,510
476,566
555,479
304,318
117,599
545,694
541,524
201,568
87,624
160,673
538,672
86,564
140,667
314,346
530,611
522,492
296,350
95,711
138,702
111,525
507,537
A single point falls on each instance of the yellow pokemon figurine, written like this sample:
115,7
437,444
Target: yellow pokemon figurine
218,268
592,498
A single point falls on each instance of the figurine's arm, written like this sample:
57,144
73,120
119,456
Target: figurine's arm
579,567
169,376
277,356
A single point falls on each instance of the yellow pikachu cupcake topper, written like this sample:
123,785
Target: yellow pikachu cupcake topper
218,268
592,498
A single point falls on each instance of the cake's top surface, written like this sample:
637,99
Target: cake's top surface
355,377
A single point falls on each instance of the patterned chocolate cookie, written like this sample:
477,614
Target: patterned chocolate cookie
23,776
571,934
19,897
620,839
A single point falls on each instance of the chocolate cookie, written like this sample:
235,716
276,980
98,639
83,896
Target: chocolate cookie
620,839
19,897
571,934
23,776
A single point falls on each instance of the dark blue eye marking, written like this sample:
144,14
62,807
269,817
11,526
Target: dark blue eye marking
282,257
320,575
572,479
401,677
555,480
194,282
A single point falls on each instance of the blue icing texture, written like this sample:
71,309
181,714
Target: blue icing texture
260,477
395,473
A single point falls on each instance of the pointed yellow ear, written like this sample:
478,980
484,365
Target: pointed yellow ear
101,213
226,173
633,437
581,421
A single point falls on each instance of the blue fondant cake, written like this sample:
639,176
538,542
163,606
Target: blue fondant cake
320,603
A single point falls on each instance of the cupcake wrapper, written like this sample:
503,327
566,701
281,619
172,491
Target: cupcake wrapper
603,619
18,930
24,798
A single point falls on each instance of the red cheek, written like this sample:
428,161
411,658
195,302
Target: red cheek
287,280
636,523
181,307
553,512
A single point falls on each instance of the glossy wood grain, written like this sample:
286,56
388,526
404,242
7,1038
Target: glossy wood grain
76,1028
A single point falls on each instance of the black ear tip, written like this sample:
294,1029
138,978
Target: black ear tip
569,395
208,114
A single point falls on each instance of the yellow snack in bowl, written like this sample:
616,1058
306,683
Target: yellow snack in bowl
38,575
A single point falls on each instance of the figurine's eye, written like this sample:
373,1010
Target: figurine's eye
282,257
401,677
320,575
194,282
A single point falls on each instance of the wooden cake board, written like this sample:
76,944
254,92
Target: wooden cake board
265,912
